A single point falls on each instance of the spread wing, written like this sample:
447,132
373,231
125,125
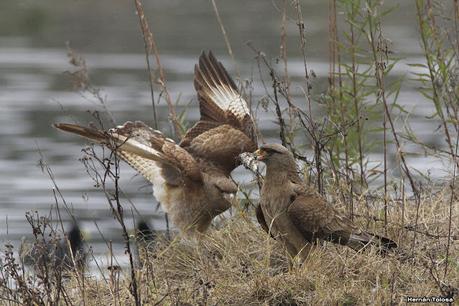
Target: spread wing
226,127
146,150
317,220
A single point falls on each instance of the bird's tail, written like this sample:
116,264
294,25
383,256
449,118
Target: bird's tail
114,139
159,159
135,143
358,241
90,133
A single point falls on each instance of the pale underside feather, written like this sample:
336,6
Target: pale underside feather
229,100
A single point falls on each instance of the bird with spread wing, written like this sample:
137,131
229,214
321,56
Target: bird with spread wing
190,179
298,216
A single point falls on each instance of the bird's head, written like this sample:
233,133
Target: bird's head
274,155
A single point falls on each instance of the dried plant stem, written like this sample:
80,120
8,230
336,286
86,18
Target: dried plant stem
335,69
113,199
284,57
436,57
315,133
456,25
134,287
282,124
301,29
385,170
152,49
274,98
380,66
450,213
453,183
225,36
430,64
359,122
144,28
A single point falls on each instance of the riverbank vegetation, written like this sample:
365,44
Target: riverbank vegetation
335,130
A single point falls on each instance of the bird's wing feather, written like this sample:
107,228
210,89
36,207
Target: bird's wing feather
262,221
200,127
314,218
226,128
144,149
222,146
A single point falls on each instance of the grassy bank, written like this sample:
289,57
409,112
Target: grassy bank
238,263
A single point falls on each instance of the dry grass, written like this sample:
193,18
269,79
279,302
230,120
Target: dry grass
239,264
236,262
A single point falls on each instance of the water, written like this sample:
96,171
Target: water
35,91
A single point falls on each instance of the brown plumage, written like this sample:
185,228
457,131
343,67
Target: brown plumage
190,179
298,216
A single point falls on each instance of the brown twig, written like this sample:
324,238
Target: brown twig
379,62
152,49
225,36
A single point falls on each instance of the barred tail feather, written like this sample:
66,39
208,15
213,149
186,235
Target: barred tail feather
133,149
121,142
358,241
86,132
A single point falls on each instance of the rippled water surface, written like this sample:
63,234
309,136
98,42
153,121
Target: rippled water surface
36,91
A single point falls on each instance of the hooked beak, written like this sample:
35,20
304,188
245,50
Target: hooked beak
260,154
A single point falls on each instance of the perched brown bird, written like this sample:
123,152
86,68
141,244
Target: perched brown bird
298,216
190,179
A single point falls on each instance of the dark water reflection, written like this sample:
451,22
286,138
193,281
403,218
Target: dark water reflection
35,91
